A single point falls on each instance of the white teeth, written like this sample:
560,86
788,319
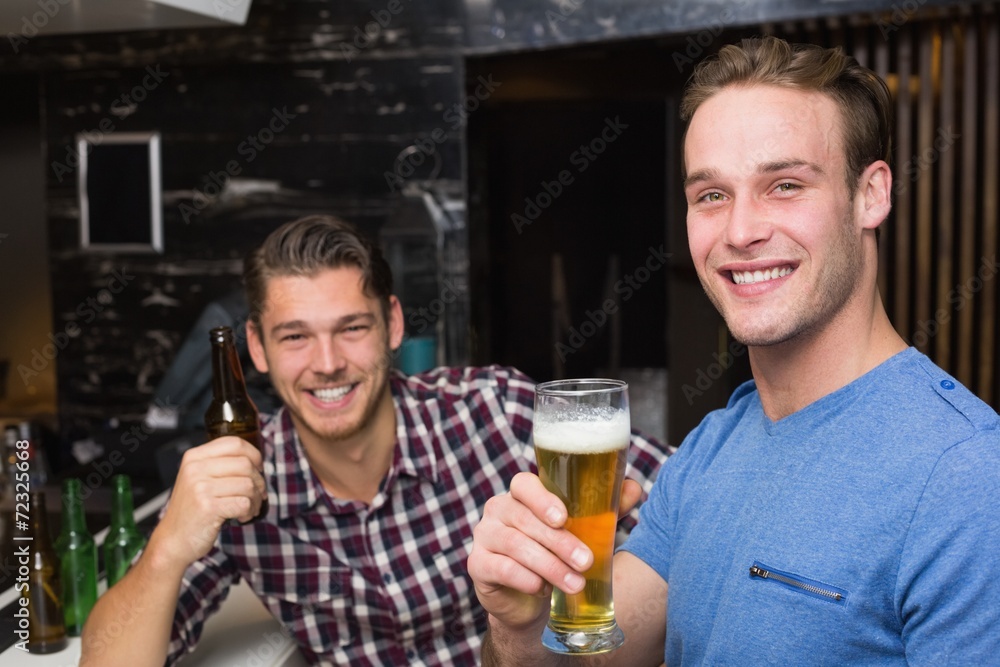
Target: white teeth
750,277
332,394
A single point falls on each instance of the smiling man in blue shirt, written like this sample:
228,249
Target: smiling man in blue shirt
844,509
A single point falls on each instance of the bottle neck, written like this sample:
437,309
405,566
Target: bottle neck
73,515
121,505
227,375
40,522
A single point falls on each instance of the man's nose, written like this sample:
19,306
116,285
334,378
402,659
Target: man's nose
749,222
328,358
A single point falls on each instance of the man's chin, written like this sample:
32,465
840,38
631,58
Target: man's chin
333,432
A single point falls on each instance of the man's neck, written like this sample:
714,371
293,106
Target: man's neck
353,468
799,372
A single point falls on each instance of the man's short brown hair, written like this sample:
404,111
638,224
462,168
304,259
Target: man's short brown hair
306,246
861,95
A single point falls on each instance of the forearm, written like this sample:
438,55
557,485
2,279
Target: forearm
130,624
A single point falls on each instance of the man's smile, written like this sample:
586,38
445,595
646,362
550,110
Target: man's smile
333,394
760,275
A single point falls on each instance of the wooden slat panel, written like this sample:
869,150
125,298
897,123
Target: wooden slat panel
860,49
901,231
967,212
946,203
924,185
560,314
882,69
991,216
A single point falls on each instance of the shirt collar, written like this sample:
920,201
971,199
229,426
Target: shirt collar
298,489
416,431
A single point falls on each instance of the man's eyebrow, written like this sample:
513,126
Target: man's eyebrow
709,174
782,165
343,320
700,176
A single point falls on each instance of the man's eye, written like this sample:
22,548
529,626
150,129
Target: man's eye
357,327
712,197
292,337
787,187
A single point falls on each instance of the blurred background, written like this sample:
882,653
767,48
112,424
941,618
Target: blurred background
517,159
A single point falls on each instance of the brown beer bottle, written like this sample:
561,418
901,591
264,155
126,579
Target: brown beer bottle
231,411
42,590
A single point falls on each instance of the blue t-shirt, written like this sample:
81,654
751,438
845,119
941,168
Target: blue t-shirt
863,529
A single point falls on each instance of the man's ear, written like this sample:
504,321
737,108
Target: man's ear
256,347
395,324
874,197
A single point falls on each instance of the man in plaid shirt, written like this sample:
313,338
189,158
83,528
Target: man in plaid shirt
375,480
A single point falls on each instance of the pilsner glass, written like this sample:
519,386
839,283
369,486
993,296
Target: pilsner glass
581,436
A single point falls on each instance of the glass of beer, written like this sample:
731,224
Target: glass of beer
581,435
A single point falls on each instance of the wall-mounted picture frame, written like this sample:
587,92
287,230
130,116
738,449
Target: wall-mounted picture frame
119,192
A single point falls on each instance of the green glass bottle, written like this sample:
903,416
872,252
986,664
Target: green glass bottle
124,540
41,588
78,558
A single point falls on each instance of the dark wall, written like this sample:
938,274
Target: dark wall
304,110
505,25
333,92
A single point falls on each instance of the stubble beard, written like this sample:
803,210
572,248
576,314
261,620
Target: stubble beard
840,278
379,374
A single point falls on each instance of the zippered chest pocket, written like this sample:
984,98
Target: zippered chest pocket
795,582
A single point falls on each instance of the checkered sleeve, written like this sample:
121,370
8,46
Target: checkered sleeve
204,587
517,392
645,456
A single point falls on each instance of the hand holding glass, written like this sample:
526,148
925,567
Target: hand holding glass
581,435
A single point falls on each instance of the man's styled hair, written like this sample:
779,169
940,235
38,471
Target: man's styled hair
306,246
860,94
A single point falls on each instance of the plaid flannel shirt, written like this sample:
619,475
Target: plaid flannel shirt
384,583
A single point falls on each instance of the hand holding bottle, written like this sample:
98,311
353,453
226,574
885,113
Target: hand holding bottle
217,481
232,411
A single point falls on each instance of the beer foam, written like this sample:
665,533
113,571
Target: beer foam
583,434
